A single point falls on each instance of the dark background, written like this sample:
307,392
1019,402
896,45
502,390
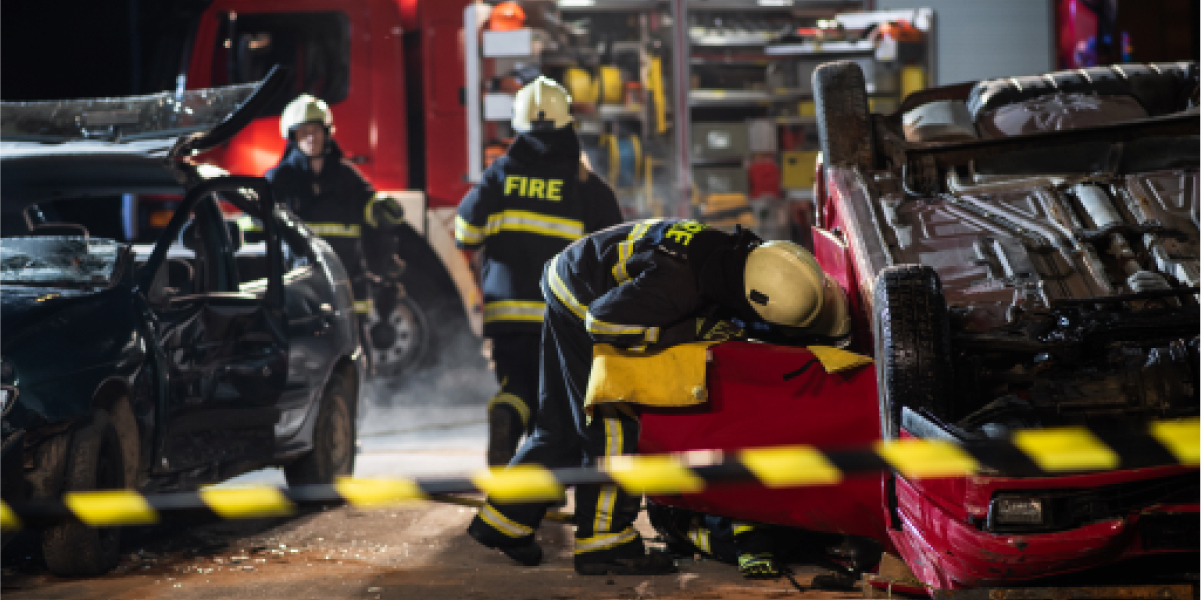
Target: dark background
53,49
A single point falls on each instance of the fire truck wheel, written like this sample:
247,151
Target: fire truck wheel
400,340
843,118
913,345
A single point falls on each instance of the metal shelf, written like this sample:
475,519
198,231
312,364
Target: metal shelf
713,162
737,97
862,46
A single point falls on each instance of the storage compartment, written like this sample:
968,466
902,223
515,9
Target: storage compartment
720,180
719,141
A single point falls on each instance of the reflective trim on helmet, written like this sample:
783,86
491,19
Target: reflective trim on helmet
605,541
336,229
528,311
626,249
559,289
531,222
503,524
466,233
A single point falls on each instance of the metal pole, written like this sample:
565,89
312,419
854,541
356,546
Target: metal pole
681,57
471,85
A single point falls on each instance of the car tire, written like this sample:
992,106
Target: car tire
94,462
913,345
333,450
843,117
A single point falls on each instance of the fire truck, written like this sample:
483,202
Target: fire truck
392,72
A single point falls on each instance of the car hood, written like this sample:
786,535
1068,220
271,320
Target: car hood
176,123
24,308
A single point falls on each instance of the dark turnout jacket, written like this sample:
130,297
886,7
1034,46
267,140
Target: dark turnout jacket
530,204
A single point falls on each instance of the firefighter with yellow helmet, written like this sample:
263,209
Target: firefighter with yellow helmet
643,286
320,186
530,204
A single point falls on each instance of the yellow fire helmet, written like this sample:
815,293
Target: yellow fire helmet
305,109
541,105
786,286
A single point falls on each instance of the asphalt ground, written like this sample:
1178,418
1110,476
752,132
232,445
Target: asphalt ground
417,551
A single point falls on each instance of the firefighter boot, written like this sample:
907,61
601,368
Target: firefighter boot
504,432
526,552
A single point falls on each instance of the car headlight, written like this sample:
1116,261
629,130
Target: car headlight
1018,512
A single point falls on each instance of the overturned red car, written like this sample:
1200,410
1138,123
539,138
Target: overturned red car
1018,253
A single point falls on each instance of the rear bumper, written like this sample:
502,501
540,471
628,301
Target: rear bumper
948,551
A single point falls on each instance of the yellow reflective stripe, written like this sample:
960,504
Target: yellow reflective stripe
1180,438
926,458
362,306
652,475
608,495
626,249
502,523
700,538
368,216
562,293
605,541
106,508
466,233
1066,449
336,230
519,482
531,222
247,223
377,492
241,503
526,311
597,326
652,335
523,410
8,518
785,466
741,527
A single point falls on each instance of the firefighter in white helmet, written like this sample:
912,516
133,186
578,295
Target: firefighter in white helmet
320,186
530,204
643,286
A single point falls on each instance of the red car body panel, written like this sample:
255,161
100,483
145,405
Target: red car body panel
750,405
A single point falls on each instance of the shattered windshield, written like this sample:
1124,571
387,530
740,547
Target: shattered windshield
165,115
62,260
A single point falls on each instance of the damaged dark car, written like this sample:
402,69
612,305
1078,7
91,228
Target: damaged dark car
152,341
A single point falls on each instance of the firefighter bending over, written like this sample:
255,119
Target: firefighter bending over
643,286
530,204
338,204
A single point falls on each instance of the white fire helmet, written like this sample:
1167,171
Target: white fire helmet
305,109
786,286
541,105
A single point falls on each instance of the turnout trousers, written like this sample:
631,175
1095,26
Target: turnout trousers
564,436
515,357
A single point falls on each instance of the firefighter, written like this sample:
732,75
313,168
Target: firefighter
336,202
530,204
642,286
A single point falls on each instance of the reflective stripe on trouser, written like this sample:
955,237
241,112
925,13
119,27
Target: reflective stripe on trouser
605,513
515,359
563,438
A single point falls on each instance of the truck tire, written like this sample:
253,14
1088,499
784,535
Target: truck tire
333,440
400,340
913,345
843,117
93,463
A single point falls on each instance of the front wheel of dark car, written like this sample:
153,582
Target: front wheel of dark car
94,462
333,450
913,345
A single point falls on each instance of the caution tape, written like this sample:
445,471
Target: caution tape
1028,453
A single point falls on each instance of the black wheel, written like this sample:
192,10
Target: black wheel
400,340
93,463
913,345
333,440
843,117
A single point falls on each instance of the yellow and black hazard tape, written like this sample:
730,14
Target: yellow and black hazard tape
1027,453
